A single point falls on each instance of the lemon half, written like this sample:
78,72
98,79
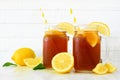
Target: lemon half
63,62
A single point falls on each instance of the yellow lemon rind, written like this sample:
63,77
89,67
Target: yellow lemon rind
111,67
100,69
69,28
101,27
21,54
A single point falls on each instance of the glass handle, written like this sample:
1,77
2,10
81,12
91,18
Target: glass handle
107,49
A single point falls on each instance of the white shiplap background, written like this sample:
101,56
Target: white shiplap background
21,24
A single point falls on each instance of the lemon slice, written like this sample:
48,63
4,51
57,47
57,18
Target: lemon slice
100,69
69,28
92,37
101,27
111,68
63,62
32,62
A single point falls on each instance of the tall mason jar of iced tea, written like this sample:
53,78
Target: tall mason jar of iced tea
54,42
86,49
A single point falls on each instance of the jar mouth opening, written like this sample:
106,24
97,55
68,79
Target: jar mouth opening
87,30
55,30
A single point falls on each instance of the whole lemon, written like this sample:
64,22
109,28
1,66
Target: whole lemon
21,54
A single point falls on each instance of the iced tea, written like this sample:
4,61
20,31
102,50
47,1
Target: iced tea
54,42
85,56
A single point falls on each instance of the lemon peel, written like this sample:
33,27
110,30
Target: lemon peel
100,69
101,27
111,67
68,27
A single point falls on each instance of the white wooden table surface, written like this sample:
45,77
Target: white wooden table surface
25,73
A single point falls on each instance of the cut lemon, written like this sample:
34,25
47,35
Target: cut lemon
100,69
91,37
21,54
66,27
111,68
63,62
101,27
32,62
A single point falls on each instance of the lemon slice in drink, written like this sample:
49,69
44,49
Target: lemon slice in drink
69,28
92,37
63,62
101,27
32,62
111,67
100,69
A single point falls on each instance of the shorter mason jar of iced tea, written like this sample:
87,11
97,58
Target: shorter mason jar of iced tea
54,42
86,49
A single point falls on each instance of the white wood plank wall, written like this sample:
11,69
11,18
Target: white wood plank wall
21,24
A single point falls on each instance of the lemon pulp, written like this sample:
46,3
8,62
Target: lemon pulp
63,62
32,62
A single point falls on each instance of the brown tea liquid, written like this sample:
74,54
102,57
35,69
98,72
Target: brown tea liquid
53,43
86,57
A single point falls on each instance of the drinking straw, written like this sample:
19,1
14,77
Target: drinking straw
71,11
46,23
43,17
74,20
73,17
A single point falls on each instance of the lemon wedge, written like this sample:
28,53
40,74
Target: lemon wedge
92,37
111,67
63,62
100,69
101,27
32,62
69,28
